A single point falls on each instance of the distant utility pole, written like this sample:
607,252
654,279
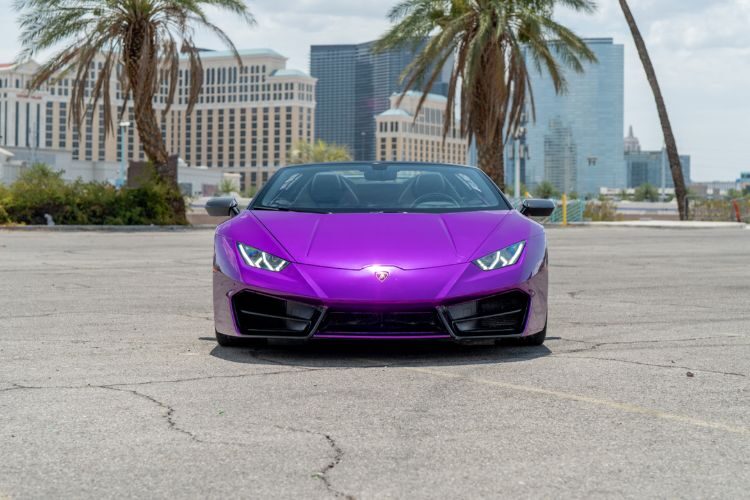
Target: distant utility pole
121,176
520,140
663,194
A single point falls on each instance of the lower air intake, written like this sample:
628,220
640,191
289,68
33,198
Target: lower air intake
503,314
266,316
374,323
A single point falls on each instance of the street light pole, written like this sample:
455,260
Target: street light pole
663,195
121,176
519,137
517,173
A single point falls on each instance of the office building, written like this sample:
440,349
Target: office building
632,144
650,167
743,182
354,85
576,141
245,121
399,137
714,189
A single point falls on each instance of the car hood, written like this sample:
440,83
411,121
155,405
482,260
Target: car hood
403,240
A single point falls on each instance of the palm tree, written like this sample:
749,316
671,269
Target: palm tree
672,153
546,190
138,42
492,41
318,152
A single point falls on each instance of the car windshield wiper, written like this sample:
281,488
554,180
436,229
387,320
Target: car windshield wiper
286,209
274,209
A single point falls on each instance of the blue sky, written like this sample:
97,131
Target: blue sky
701,50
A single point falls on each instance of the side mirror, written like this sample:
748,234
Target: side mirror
537,208
222,207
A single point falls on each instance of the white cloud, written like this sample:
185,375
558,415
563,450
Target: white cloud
291,26
720,25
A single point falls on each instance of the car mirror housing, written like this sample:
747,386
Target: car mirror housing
222,207
537,208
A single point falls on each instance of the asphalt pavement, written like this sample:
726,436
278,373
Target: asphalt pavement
112,386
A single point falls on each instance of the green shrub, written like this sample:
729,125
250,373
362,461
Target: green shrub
227,186
4,201
646,192
601,211
40,191
37,191
547,190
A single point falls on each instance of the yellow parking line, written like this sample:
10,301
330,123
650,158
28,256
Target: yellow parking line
628,408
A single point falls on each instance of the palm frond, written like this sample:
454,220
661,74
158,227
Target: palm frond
139,44
493,42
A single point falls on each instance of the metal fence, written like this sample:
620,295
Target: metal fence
718,210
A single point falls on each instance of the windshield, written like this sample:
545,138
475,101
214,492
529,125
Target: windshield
378,187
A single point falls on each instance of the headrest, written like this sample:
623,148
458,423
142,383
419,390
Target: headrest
429,183
326,188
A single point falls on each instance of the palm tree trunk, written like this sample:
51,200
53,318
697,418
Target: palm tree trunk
492,160
669,140
154,147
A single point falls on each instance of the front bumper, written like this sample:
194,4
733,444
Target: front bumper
458,303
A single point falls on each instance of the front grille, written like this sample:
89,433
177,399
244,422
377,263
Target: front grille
262,315
503,314
376,323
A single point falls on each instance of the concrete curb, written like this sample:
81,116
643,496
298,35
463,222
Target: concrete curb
110,229
654,224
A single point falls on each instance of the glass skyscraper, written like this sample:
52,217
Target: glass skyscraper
576,141
354,85
650,167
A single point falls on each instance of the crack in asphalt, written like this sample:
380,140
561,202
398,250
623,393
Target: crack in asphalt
338,456
212,377
699,370
595,344
169,416
592,346
615,405
655,322
169,410
16,386
205,316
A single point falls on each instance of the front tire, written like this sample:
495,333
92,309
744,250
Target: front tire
537,339
229,341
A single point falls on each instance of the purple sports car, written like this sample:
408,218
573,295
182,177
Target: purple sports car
380,251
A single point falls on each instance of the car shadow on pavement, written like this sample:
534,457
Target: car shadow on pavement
353,354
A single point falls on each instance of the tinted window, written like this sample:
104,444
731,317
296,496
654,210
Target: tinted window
379,188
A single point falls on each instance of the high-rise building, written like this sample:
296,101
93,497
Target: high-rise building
632,144
245,121
576,141
560,156
650,167
399,137
354,85
744,181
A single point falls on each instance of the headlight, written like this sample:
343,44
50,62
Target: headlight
260,259
502,258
